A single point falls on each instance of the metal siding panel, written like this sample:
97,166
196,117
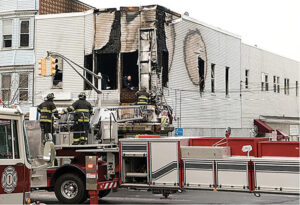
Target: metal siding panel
9,5
67,39
208,111
103,25
89,33
259,102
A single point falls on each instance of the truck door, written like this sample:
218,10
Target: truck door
12,162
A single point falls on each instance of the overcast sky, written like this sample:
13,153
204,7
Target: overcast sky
273,25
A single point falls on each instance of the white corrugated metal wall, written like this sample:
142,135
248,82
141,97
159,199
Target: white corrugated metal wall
195,113
256,102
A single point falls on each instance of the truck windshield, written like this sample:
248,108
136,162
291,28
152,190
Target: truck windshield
26,143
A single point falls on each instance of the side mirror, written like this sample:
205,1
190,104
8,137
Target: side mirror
49,152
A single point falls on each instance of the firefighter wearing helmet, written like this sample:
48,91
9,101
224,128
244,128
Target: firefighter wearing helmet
47,109
142,96
83,110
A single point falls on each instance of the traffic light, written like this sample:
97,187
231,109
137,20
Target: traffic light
53,65
42,67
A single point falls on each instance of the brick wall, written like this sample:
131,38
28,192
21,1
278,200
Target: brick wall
62,6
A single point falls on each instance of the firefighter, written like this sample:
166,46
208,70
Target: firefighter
83,110
46,110
142,96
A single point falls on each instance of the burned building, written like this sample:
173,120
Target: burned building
194,67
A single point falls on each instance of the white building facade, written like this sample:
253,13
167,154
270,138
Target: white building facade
214,80
270,90
17,51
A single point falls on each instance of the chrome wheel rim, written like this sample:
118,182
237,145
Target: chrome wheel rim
69,189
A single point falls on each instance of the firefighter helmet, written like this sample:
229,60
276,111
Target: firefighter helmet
50,96
82,96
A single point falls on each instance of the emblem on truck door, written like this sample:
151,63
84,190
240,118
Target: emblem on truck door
9,179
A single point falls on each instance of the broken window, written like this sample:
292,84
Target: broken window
227,81
201,73
107,66
7,33
88,64
23,87
212,75
58,77
24,33
165,69
5,87
130,68
246,79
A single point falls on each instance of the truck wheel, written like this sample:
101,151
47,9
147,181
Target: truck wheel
104,193
70,189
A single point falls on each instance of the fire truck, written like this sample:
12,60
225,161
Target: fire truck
15,162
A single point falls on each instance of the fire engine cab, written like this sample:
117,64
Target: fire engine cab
14,158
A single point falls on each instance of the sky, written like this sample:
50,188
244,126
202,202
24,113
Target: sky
272,25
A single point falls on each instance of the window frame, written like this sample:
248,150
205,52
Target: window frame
247,78
213,77
24,89
15,139
6,89
24,20
5,34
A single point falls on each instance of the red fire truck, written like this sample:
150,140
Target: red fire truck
14,158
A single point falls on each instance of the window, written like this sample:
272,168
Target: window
274,84
201,73
264,82
165,68
227,81
24,33
23,87
57,80
286,86
296,88
246,79
278,85
5,88
212,78
88,64
8,140
7,33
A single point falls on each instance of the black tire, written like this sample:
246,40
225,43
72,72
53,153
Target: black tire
79,195
103,193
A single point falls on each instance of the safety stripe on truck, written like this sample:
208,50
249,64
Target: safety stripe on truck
277,168
136,148
164,170
198,166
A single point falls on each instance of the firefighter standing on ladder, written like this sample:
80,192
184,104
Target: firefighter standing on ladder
46,110
83,110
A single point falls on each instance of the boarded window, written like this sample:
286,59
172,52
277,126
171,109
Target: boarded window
201,73
5,87
227,81
24,33
23,87
213,78
7,33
